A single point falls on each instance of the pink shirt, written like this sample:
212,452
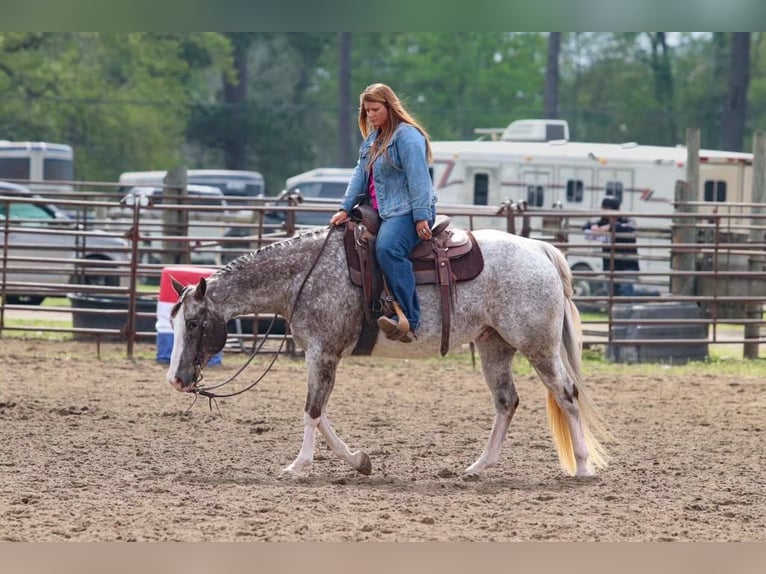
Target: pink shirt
373,196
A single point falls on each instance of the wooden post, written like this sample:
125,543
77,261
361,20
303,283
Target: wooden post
753,310
683,233
175,221
683,228
693,162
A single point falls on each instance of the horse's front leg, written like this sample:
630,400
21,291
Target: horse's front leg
306,455
322,368
357,459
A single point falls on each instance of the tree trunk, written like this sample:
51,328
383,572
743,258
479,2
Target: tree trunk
663,89
345,108
736,99
552,76
235,99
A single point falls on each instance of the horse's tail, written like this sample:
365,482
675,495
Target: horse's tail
571,353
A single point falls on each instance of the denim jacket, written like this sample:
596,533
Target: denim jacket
402,182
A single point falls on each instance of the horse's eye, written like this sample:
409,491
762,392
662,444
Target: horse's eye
192,324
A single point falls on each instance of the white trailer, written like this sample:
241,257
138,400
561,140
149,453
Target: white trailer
576,176
40,166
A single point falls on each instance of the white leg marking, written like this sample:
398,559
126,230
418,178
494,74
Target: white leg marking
358,460
306,455
584,468
491,453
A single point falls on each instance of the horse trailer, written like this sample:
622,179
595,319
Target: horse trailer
576,176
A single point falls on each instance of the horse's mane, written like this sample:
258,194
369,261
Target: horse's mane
248,258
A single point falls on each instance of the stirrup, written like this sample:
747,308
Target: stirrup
393,331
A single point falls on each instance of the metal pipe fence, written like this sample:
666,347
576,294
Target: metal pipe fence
113,251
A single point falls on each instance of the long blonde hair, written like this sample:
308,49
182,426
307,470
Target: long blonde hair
397,114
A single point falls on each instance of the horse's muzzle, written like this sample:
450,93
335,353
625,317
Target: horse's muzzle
184,381
181,386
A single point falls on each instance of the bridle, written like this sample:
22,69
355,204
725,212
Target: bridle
206,391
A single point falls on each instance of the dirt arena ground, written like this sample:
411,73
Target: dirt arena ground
101,448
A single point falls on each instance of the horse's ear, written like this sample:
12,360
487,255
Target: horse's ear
201,289
177,286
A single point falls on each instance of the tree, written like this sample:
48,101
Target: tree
733,129
344,100
664,132
236,138
552,76
270,124
121,100
281,103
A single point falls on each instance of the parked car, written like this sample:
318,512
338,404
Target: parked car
205,224
238,186
51,241
322,186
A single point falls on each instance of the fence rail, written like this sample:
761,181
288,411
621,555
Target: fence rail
112,252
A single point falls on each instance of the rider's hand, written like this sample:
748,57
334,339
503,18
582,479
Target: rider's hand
423,229
340,217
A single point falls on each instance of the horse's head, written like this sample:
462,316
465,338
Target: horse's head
199,332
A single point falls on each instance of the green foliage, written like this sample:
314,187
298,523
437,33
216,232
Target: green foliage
455,83
122,100
135,101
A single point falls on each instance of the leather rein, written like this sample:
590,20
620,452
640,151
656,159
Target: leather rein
207,391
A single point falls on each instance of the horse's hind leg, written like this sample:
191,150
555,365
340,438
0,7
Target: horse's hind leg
496,356
564,392
322,368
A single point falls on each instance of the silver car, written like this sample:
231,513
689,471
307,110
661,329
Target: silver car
43,245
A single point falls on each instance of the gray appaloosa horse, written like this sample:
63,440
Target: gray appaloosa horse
521,301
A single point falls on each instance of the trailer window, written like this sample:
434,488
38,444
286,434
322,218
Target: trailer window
481,189
58,169
14,168
715,190
614,189
535,196
574,190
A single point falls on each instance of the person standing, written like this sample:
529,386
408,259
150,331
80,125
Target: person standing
622,255
392,175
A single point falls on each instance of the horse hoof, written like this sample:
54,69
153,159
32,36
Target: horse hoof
287,474
365,467
584,475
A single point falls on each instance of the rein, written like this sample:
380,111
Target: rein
211,396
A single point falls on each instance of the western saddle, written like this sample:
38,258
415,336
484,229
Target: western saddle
450,256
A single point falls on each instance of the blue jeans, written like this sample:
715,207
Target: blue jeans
397,237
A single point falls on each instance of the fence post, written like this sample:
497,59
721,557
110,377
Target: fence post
133,280
682,259
175,221
753,310
684,228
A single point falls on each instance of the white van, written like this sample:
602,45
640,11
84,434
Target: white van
320,186
236,185
209,224
321,183
41,166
